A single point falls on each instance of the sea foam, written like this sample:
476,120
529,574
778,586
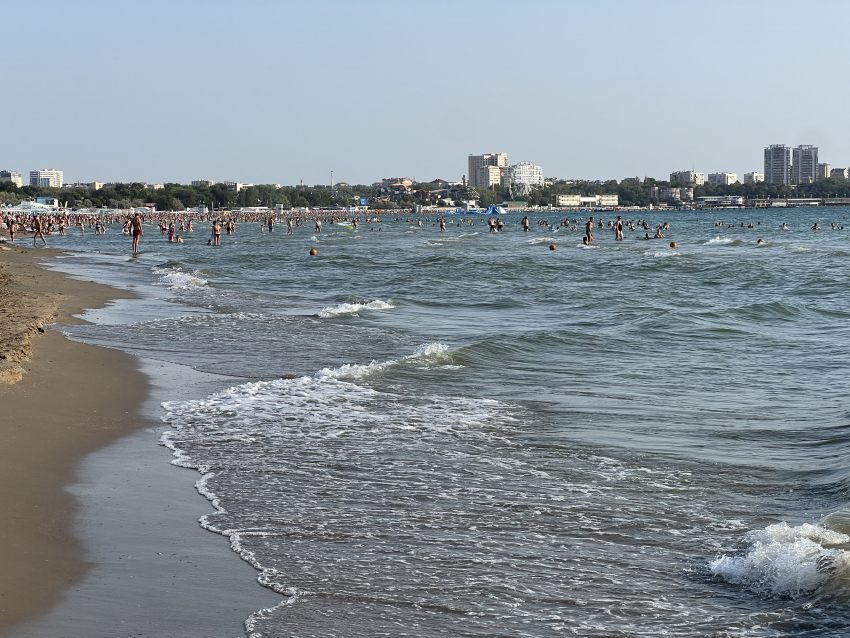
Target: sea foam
176,279
351,309
786,562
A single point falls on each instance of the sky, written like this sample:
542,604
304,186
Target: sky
280,92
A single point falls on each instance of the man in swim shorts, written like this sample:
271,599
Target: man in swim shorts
136,226
588,231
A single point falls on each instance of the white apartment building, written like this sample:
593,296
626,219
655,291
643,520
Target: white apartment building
804,167
475,162
824,171
672,194
752,178
590,201
238,186
46,177
11,176
202,182
689,177
722,179
523,173
777,164
488,176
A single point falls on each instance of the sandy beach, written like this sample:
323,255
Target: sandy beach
60,401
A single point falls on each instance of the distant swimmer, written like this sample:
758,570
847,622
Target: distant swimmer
136,225
318,225
588,231
783,226
525,223
816,227
760,241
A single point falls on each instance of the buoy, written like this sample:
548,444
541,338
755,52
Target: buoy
552,246
673,244
313,251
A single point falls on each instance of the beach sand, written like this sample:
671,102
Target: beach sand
96,526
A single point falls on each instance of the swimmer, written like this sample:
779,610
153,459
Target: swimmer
816,227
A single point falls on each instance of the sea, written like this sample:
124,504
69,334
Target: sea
467,433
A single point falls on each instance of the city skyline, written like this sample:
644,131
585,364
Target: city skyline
285,104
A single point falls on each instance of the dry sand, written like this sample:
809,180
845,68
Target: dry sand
59,400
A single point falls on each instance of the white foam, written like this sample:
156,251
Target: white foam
786,561
351,309
176,279
541,240
662,253
719,241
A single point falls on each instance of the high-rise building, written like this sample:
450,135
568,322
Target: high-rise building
840,173
777,164
722,179
11,176
488,176
689,177
475,162
804,166
46,177
523,173
824,171
752,178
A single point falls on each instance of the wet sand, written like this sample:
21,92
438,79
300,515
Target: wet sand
99,534
60,400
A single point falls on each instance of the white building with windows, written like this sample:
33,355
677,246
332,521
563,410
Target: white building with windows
753,178
824,171
202,182
523,173
689,177
722,179
804,166
476,162
48,177
11,176
777,164
488,176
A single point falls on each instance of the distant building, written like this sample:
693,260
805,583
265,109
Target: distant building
752,178
689,177
476,162
92,186
488,176
155,187
11,176
804,166
523,173
589,201
672,194
202,182
777,164
47,177
397,184
824,171
236,186
47,201
722,179
840,173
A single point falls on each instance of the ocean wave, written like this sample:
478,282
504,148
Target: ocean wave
176,279
787,562
542,240
662,253
351,309
721,241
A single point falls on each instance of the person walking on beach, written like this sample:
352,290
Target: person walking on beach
38,230
588,231
136,227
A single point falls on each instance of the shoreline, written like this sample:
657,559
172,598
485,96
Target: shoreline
102,535
51,420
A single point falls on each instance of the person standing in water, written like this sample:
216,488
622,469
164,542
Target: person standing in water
136,226
289,230
588,231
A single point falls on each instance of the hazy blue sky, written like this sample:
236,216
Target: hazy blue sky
269,92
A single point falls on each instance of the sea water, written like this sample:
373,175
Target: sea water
469,434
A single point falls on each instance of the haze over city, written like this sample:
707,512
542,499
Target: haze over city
284,92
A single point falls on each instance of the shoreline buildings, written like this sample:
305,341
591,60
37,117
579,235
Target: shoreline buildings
11,176
48,177
689,177
486,170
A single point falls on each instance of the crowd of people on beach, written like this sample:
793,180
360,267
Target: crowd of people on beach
174,225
